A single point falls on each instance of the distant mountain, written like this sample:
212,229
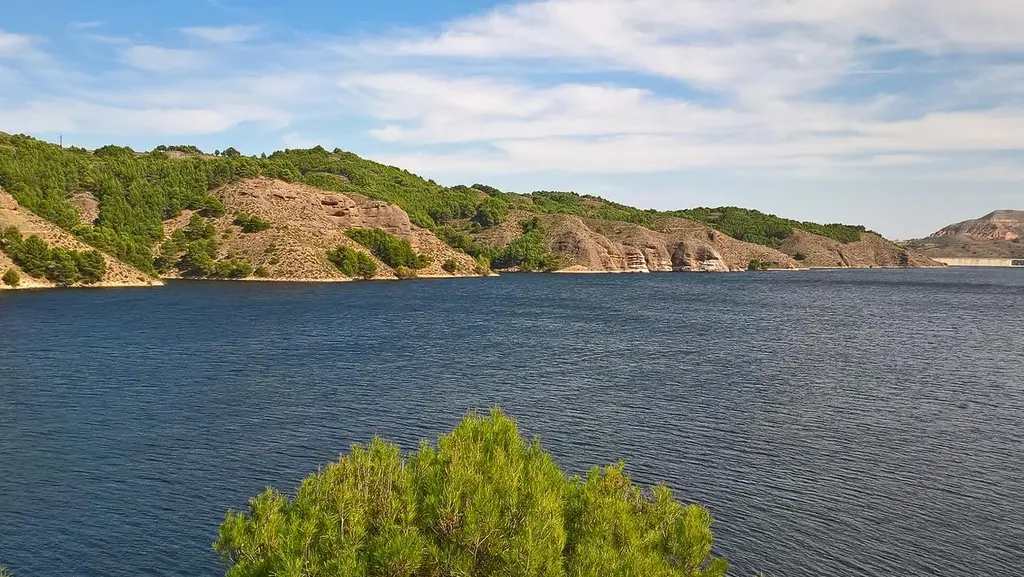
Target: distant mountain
999,234
999,225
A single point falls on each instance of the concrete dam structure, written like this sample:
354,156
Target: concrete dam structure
996,262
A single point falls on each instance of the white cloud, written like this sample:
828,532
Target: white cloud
14,45
223,34
599,86
159,59
92,24
78,117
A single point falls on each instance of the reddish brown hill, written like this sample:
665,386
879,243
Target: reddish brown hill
996,235
999,225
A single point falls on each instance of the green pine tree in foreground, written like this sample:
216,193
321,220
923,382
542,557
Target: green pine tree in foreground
483,502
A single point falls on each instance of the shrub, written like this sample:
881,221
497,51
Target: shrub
766,229
528,252
261,272
450,266
11,278
250,223
490,190
199,228
233,268
403,272
462,241
91,266
169,252
210,206
483,265
491,212
198,259
482,502
353,263
800,256
757,264
62,269
33,256
395,252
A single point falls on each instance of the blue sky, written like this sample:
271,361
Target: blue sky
903,115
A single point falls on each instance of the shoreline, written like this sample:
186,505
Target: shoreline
36,285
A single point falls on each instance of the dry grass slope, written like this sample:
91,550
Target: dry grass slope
306,222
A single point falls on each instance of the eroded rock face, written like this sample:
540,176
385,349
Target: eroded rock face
7,201
87,206
674,245
999,225
377,214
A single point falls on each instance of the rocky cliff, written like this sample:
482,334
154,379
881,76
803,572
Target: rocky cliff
671,244
677,244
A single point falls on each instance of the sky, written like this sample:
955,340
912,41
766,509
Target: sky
902,115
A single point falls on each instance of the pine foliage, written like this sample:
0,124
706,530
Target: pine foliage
483,502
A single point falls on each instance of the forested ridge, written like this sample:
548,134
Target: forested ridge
138,191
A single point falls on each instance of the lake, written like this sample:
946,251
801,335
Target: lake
835,423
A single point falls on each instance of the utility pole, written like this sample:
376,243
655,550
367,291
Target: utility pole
62,142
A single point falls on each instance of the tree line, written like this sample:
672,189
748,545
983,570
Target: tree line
60,266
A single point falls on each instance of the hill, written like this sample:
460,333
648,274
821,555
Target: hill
47,267
296,215
304,223
997,235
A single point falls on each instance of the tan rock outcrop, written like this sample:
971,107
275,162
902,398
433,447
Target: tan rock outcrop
673,244
87,206
871,251
307,222
999,225
997,235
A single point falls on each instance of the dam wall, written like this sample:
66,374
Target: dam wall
999,262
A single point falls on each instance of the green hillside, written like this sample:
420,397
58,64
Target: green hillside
767,229
137,191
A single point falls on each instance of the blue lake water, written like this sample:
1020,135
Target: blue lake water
835,423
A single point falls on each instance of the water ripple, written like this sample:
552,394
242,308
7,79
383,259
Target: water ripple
836,423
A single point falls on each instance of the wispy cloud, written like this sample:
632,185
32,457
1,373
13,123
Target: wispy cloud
156,58
600,86
13,45
90,25
79,117
223,34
